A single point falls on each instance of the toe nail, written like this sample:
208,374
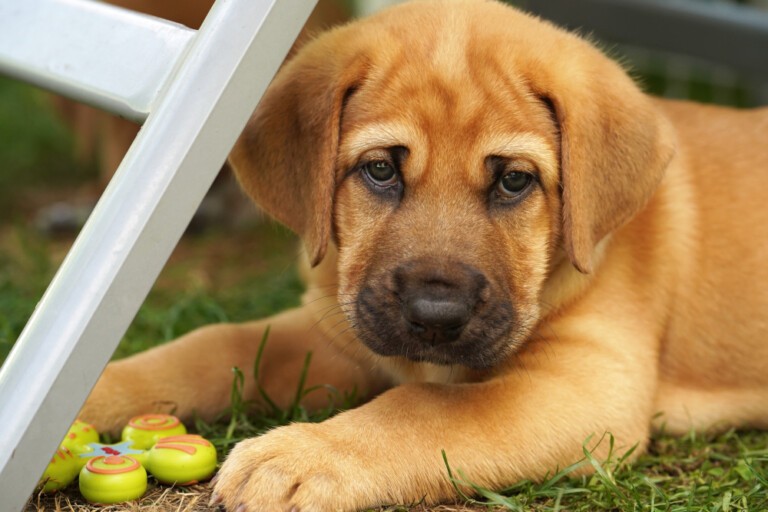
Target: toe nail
214,479
241,508
215,500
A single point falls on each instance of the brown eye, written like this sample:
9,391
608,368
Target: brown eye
381,173
513,184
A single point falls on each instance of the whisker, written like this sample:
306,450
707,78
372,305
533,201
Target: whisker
335,304
330,312
332,296
340,322
354,341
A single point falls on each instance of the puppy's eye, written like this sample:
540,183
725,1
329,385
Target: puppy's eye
513,184
381,173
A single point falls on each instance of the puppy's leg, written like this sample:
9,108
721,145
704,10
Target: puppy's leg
193,375
532,419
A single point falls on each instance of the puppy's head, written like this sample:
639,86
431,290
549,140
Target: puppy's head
450,149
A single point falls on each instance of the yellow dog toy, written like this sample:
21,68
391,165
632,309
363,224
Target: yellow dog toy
114,473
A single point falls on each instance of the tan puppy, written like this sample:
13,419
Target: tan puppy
527,250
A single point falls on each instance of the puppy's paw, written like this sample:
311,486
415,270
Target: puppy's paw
299,468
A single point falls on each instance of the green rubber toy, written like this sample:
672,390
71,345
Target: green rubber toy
145,430
182,460
61,471
79,436
114,473
112,479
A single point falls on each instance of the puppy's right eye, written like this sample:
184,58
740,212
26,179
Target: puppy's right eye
513,184
381,173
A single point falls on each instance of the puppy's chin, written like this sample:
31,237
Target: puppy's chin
464,354
484,342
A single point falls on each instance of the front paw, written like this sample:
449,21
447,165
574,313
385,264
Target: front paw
298,468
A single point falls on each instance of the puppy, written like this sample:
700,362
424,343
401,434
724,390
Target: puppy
527,251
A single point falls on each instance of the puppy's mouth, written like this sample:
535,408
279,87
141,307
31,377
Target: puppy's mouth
445,314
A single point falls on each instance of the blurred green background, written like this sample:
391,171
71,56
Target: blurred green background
36,148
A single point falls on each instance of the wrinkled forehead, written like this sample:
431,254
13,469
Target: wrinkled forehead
454,92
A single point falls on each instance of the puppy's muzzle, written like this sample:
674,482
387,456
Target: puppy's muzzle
434,309
437,304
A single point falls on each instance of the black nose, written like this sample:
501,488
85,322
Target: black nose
436,319
438,300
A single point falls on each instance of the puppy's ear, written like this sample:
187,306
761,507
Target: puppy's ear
615,145
285,158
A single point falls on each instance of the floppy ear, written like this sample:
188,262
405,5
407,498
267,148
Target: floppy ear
615,145
285,158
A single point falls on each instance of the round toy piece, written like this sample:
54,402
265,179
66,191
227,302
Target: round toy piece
61,471
79,436
182,460
112,479
145,430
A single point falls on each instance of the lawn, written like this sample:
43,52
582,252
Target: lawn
232,275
